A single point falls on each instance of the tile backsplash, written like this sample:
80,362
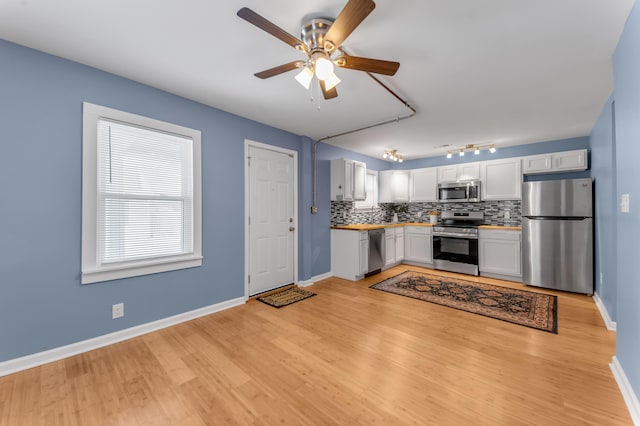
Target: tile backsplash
343,212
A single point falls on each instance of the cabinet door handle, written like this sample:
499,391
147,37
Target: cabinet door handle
291,228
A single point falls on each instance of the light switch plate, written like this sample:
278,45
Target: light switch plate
624,203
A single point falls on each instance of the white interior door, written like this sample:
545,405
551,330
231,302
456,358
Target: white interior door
271,219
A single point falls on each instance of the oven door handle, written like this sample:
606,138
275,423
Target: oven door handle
452,235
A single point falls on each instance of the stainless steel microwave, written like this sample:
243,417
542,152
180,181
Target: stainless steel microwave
459,192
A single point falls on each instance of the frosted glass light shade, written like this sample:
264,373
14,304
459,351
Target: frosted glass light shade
324,68
304,77
331,81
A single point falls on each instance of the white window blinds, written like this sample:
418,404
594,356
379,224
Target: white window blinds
145,193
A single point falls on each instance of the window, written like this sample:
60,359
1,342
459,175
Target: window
141,208
371,186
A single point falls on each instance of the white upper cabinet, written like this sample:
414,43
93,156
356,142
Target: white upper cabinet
423,185
570,160
536,164
458,172
447,173
359,181
394,186
501,179
555,162
348,180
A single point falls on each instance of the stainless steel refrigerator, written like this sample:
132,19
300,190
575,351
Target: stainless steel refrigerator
557,234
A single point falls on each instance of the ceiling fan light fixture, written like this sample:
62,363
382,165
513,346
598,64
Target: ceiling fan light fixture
329,46
304,77
324,68
331,81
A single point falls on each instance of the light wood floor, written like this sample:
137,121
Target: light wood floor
349,355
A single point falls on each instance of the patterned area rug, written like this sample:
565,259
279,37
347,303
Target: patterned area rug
285,297
535,310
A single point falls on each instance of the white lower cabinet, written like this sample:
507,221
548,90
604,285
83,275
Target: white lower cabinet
349,253
393,246
364,253
418,245
500,253
399,244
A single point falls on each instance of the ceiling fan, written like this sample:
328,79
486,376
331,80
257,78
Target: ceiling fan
321,41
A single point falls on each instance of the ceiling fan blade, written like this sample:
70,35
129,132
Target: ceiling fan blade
268,26
328,94
279,69
377,66
349,18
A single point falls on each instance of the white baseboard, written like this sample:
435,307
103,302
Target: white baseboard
608,322
628,394
40,358
315,279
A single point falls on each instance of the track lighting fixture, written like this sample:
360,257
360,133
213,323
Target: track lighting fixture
471,147
392,155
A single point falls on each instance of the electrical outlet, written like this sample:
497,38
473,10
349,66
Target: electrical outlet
507,215
117,310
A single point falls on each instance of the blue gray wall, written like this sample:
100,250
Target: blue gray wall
603,171
42,304
626,66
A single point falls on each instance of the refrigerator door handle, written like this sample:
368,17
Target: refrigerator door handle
557,218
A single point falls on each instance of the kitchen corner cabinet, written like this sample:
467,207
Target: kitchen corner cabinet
349,253
418,245
393,246
501,179
423,186
394,186
555,162
458,172
500,253
348,180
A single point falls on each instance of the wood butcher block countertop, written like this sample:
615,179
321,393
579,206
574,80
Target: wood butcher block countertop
371,226
501,228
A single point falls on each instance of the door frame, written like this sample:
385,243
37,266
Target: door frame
248,144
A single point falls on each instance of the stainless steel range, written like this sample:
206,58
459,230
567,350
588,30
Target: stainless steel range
455,242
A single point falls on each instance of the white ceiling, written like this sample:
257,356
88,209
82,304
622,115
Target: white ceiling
494,71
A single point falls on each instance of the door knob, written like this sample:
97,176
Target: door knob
291,228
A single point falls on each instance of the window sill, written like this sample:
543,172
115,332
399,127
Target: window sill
138,269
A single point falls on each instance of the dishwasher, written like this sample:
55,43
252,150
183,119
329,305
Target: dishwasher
376,251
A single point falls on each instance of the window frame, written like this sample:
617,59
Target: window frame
365,205
91,269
